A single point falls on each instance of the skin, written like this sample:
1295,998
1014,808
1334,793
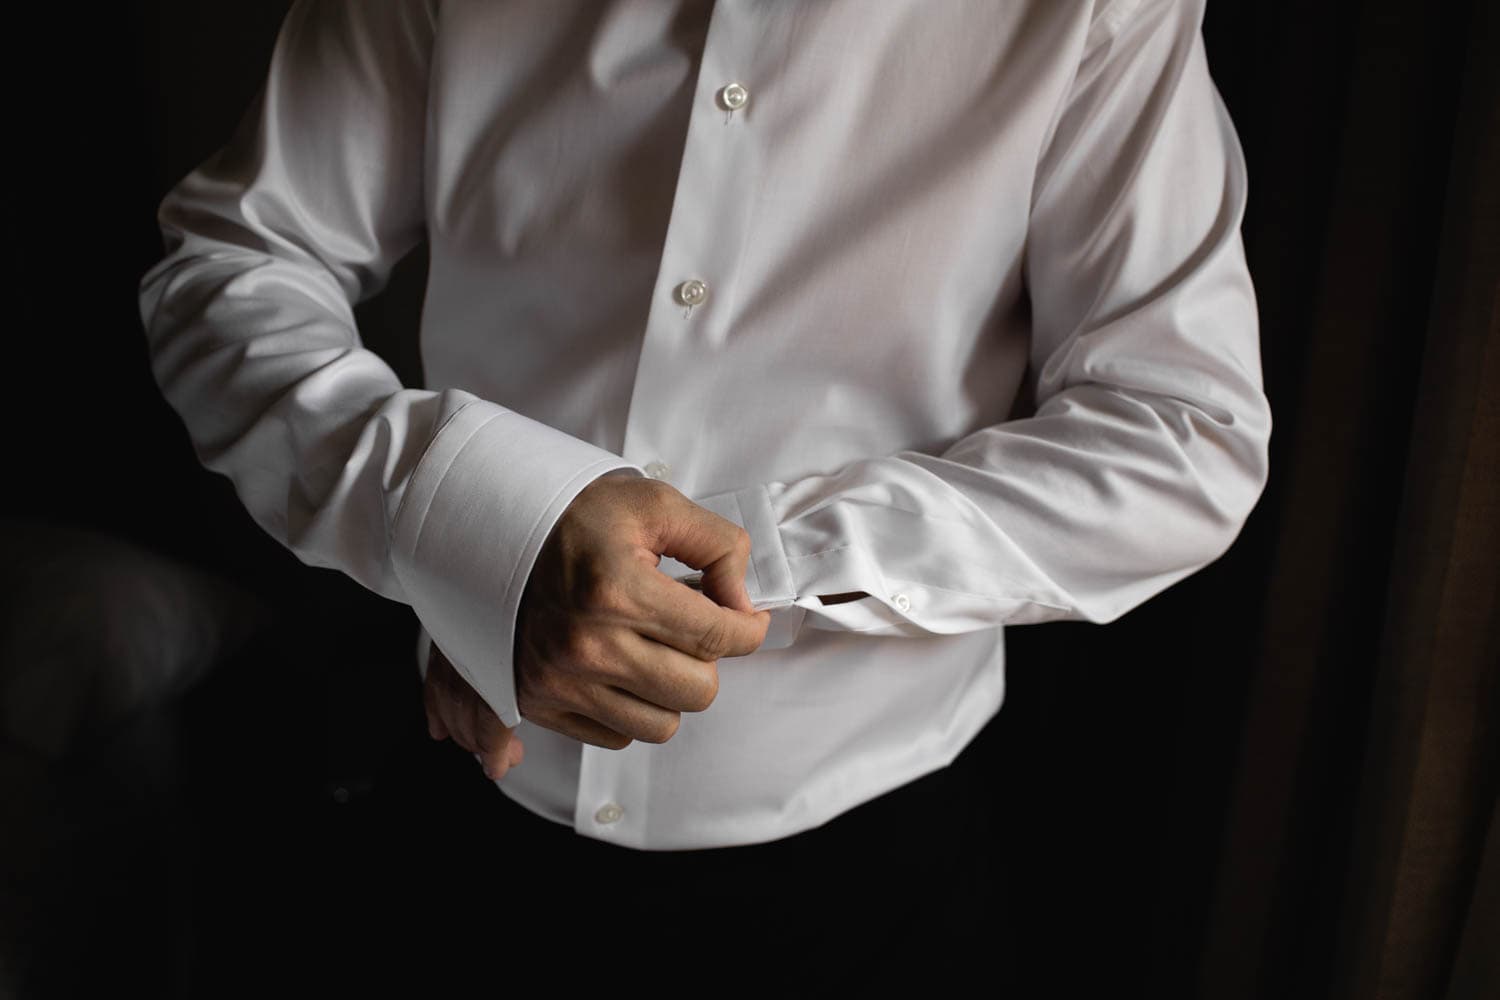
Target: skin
608,648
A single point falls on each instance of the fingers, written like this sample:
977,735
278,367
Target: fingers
436,728
661,675
583,729
705,541
494,742
455,700
455,710
691,622
578,663
616,711
608,648
633,716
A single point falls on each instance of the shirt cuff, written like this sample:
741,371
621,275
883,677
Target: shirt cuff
482,500
789,585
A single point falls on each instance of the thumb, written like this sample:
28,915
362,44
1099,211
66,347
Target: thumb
718,547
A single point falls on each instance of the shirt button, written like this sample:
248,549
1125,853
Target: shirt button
608,813
691,293
657,470
903,603
732,96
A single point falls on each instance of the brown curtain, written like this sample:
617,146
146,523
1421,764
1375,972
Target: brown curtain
1361,857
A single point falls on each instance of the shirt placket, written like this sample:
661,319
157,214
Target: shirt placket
690,314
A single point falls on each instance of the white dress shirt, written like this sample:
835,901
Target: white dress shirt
797,259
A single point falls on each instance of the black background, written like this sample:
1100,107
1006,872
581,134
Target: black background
1120,743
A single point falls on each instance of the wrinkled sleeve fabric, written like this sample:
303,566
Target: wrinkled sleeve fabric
435,498
1148,446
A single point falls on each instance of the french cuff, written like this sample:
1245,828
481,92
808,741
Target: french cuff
480,503
789,582
768,577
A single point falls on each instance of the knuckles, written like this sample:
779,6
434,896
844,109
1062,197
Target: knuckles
599,592
617,742
704,696
582,649
714,642
662,731
656,491
543,687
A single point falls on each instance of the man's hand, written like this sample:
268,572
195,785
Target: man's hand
609,649
455,709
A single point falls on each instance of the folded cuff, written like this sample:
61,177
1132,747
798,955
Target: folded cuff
482,500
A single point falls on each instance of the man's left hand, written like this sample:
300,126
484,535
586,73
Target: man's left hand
455,710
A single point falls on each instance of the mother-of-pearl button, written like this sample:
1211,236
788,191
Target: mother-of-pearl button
733,96
691,293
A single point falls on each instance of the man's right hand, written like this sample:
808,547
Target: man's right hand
610,649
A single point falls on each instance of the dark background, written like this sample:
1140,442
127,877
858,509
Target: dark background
1187,784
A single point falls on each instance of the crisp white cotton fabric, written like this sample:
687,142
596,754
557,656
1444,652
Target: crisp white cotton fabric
920,210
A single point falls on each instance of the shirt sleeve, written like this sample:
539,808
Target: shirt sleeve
1148,446
436,498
